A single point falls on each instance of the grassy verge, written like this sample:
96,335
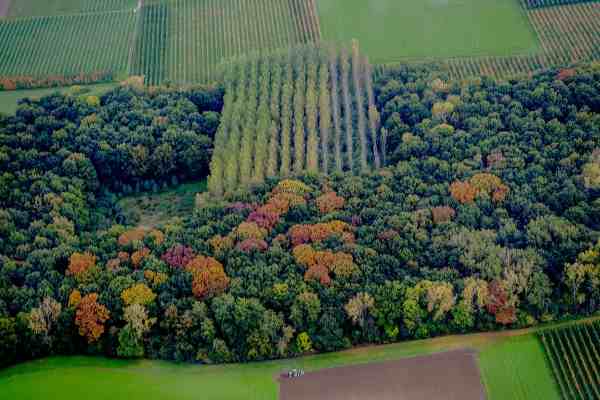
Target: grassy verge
8,99
512,366
152,209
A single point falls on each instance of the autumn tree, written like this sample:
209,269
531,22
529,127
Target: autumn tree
442,214
489,185
440,299
138,294
131,335
209,278
90,317
359,308
43,318
463,192
178,256
329,202
80,265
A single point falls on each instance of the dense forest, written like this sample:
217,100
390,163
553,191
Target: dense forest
487,215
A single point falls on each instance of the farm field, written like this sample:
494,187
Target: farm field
520,362
25,8
184,41
4,8
391,30
66,45
574,354
71,377
568,34
451,375
9,99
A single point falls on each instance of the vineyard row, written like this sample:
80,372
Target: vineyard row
184,41
574,356
66,45
568,34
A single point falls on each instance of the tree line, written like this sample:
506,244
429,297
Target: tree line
485,216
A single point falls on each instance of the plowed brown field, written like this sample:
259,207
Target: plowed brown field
451,375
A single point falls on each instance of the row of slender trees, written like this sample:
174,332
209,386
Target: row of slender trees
309,109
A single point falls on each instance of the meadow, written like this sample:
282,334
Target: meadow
391,30
509,362
9,99
153,209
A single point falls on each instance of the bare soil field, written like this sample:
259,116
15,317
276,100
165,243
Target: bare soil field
4,8
452,375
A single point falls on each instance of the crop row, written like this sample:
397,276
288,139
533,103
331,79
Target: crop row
567,34
550,3
574,356
184,41
310,109
66,45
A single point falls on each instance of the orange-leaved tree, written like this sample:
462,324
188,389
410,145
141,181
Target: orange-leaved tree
80,264
209,278
90,317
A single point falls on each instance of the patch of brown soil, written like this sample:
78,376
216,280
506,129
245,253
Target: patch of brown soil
452,375
4,8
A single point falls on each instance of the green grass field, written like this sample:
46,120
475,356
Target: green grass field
512,366
8,99
517,369
392,30
152,209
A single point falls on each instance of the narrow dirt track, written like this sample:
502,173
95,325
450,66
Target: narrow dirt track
4,8
452,375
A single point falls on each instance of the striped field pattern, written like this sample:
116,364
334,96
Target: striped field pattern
66,45
574,355
184,41
31,8
568,34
